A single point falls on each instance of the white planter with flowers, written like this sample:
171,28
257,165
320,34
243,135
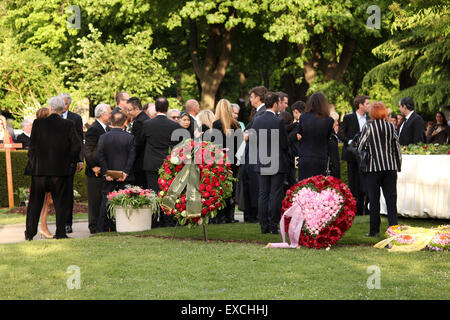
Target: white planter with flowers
133,208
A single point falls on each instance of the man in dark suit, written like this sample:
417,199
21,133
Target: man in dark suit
76,119
138,117
116,151
93,170
412,130
24,138
156,138
352,125
248,173
53,153
272,164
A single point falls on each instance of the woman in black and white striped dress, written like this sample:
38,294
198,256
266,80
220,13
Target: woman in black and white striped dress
380,140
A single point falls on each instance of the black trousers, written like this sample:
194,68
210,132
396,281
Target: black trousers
94,189
140,179
163,220
387,181
104,222
310,167
59,187
357,186
270,187
70,214
250,189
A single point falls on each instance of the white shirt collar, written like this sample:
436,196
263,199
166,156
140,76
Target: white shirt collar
64,115
262,105
161,114
409,115
271,111
102,124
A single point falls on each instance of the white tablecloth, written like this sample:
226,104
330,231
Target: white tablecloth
423,187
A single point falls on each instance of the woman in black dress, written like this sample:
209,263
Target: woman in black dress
315,128
231,135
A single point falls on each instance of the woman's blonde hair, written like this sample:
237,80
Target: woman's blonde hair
206,117
3,120
224,113
42,113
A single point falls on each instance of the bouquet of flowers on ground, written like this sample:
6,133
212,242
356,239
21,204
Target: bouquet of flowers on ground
408,239
132,197
327,208
195,180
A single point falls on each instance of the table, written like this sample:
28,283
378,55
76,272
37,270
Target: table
423,187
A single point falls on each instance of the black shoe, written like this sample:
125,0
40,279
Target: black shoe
27,238
69,229
375,235
265,231
61,237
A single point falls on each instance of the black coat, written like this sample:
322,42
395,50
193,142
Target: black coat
76,119
277,152
156,137
231,142
316,133
136,131
54,148
24,140
347,131
90,148
413,130
116,151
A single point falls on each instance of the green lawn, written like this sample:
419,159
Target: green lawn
142,266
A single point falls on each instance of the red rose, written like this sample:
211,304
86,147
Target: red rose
211,208
212,193
206,194
202,187
209,188
204,211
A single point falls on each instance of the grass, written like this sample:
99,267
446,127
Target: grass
142,266
15,218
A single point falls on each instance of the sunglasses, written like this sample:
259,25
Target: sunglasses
174,117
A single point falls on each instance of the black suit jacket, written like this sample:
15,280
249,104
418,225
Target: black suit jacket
54,148
258,113
347,131
276,152
116,151
413,130
156,137
316,133
76,118
90,148
24,140
136,131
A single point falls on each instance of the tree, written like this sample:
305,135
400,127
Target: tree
27,78
103,69
417,55
326,35
211,24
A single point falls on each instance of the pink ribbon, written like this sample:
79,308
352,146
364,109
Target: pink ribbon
295,226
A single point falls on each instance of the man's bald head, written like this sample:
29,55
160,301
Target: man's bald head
192,107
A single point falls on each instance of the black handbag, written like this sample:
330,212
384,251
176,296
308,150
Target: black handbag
362,157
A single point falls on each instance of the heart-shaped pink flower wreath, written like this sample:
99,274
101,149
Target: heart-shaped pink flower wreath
328,208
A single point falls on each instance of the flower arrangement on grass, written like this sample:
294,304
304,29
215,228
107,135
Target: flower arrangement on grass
214,183
426,149
132,197
328,209
400,237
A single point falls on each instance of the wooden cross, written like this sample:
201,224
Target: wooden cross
7,147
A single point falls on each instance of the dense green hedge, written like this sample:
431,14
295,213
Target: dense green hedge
19,161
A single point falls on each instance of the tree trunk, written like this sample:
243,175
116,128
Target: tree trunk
213,70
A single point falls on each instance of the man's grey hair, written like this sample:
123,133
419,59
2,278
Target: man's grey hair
235,105
172,110
66,96
101,109
25,122
57,104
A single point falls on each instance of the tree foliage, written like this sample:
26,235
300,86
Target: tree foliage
419,47
103,69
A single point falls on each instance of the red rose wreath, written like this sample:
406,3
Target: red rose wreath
320,232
